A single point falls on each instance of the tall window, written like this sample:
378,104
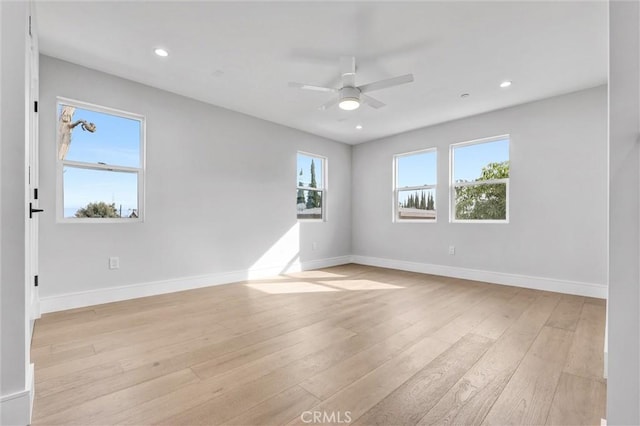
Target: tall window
415,186
100,163
311,188
480,180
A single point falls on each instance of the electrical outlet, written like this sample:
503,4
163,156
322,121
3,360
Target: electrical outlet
452,250
114,263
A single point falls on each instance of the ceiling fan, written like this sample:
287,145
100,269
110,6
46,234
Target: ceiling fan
351,96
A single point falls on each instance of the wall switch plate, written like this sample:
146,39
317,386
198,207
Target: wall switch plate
114,263
314,246
452,250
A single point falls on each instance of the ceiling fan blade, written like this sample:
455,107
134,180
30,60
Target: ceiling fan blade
389,82
311,87
348,71
328,105
373,102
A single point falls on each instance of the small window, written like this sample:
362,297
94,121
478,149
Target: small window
480,180
311,186
100,163
415,186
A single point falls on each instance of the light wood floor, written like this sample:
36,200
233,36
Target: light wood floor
350,343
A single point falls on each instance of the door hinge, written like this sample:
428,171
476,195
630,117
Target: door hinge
35,106
30,25
35,193
35,281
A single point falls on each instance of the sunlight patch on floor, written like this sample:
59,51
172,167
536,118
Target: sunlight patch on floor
291,287
275,287
361,285
317,275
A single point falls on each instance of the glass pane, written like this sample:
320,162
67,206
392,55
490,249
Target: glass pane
310,171
419,204
99,193
309,204
481,202
481,161
97,137
416,169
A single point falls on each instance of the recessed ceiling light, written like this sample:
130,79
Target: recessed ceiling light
359,127
161,52
506,83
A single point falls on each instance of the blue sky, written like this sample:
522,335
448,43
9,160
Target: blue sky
417,169
470,159
304,164
420,169
116,142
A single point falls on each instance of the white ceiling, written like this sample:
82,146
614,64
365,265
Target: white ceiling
240,55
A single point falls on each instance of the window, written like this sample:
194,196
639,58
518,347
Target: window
311,190
415,186
100,163
480,180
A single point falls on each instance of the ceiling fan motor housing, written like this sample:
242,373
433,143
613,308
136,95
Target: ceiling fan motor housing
349,93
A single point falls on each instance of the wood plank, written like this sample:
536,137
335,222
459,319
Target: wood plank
76,379
586,356
46,357
362,395
567,313
125,353
505,315
343,373
235,383
277,410
596,301
578,401
470,399
271,360
97,411
154,369
527,398
473,317
413,399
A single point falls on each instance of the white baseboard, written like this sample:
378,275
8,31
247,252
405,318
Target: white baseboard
537,283
16,408
114,294
132,291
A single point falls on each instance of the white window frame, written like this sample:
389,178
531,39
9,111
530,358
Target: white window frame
396,189
140,171
453,185
323,190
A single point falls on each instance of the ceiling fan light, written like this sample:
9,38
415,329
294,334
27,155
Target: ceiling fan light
349,104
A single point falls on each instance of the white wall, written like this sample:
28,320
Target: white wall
220,192
558,196
14,392
623,386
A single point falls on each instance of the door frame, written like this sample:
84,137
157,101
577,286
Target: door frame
32,168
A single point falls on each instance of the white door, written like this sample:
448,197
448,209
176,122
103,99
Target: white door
33,300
